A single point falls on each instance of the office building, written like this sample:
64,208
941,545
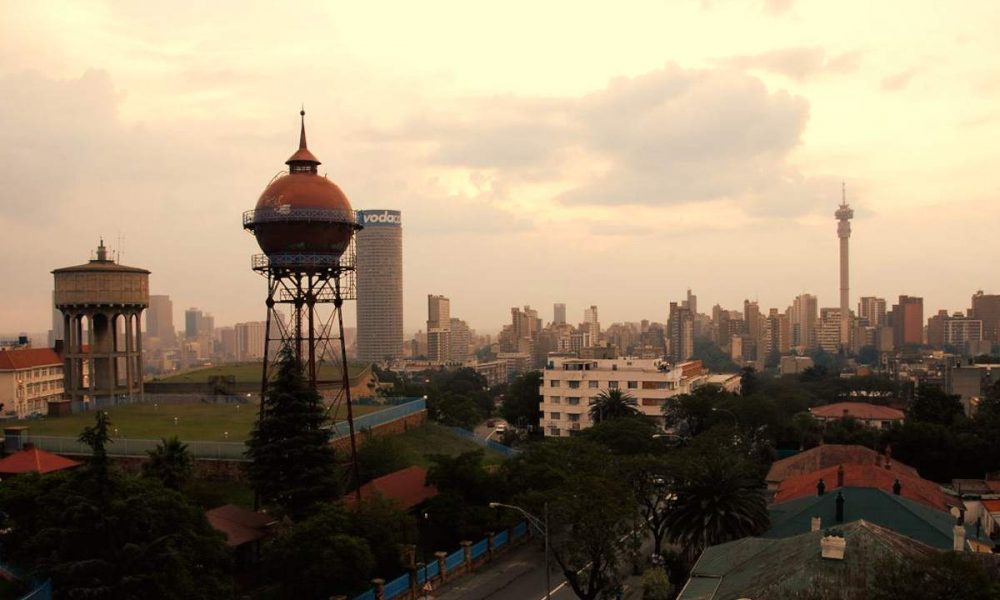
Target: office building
250,340
438,328
828,331
680,333
872,310
986,308
160,319
907,321
691,303
380,285
460,341
559,314
963,333
592,323
802,318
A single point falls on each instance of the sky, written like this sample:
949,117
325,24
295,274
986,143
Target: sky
615,154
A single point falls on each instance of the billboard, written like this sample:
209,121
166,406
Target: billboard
380,218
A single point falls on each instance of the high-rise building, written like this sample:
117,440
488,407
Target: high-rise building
250,340
680,333
907,320
691,303
460,341
592,323
160,318
961,332
57,333
559,314
872,310
828,330
438,328
380,285
986,308
802,319
844,215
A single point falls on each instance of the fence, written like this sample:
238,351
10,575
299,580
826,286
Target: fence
373,420
454,563
505,450
39,591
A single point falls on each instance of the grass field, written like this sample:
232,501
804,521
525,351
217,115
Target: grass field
431,438
195,422
249,373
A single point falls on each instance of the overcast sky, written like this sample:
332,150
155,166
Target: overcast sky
540,151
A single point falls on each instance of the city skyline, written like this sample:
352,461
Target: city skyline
498,164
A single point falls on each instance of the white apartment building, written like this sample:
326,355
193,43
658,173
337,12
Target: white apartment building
29,378
570,385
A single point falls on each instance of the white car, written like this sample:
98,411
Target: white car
501,427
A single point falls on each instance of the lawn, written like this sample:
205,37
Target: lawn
194,422
250,373
420,443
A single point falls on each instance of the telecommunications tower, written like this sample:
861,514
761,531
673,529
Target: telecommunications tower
305,225
844,215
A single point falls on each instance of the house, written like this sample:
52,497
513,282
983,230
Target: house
406,487
872,415
243,529
830,455
30,378
765,568
32,460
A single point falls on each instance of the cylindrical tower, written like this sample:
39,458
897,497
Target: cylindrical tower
102,303
305,225
844,215
380,285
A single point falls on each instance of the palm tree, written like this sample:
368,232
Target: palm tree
170,462
716,502
613,404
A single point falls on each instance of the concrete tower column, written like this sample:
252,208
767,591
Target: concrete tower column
844,215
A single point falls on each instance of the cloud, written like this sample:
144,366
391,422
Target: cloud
800,63
898,81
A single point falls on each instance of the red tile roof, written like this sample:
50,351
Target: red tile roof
33,460
829,455
240,525
992,506
866,476
26,358
858,410
407,487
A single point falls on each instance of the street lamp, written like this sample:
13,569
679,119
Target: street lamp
543,528
427,584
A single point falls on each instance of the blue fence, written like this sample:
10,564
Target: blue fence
400,586
480,548
373,420
42,592
497,446
396,587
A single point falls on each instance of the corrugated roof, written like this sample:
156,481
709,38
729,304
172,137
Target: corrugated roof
763,568
407,487
829,455
240,525
992,505
904,516
33,460
27,358
857,410
865,476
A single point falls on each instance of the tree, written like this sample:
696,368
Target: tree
97,437
717,500
613,404
380,456
291,462
629,436
520,404
934,405
712,357
170,462
107,536
465,488
655,584
868,355
691,414
651,480
319,556
749,383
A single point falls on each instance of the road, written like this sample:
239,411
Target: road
519,575
489,433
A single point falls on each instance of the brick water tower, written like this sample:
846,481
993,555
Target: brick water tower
101,303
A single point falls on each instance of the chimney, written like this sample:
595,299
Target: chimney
832,545
840,476
897,487
840,507
820,487
815,524
959,545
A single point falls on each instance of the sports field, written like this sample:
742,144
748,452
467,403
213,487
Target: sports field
250,373
189,422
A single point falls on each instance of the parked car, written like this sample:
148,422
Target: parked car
501,427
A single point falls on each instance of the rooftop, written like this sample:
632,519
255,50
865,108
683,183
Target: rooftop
407,487
866,476
829,455
240,525
858,410
33,460
27,358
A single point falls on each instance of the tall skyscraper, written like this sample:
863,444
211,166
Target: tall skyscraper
986,308
680,333
691,303
592,323
803,319
908,321
438,328
459,341
872,309
559,314
160,318
380,285
844,215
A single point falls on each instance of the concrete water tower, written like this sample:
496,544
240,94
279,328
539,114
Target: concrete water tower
101,304
305,225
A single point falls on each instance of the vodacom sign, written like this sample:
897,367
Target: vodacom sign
380,217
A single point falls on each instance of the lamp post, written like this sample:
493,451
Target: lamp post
543,528
427,584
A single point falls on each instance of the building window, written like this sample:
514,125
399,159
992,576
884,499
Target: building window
652,402
572,401
554,431
553,383
573,418
555,399
592,400
574,384
633,385
554,416
593,384
612,385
